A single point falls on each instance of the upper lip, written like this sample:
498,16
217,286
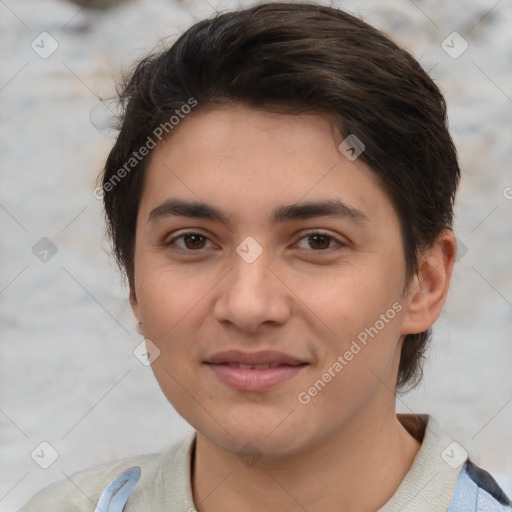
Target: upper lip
253,358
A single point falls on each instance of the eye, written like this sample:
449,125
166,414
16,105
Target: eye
191,241
320,241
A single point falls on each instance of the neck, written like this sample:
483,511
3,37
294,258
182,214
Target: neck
357,469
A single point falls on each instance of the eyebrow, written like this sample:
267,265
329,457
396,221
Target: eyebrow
280,214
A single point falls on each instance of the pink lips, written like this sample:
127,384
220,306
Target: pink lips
258,371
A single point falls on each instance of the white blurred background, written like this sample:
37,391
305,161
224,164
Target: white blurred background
68,376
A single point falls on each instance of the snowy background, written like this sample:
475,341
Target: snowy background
68,375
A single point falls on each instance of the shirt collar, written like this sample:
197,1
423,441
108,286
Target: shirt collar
430,482
428,485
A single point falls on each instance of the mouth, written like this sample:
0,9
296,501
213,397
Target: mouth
259,371
256,366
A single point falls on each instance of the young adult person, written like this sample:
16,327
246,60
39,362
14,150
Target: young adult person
280,196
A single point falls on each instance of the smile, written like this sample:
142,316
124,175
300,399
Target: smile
254,371
261,377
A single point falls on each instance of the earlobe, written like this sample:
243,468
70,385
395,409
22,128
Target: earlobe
429,288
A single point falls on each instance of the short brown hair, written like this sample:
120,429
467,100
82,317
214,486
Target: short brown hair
294,58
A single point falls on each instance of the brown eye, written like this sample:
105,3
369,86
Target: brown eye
320,241
189,241
194,241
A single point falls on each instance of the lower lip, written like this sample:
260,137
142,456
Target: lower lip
254,380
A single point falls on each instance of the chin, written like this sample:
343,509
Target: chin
260,437
256,444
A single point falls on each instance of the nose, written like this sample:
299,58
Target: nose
252,294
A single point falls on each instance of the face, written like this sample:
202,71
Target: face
295,261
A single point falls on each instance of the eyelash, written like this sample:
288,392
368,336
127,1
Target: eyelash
307,235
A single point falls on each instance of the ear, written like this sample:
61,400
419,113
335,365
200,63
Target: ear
133,302
428,290
135,308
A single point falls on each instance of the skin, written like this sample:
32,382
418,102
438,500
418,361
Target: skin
197,297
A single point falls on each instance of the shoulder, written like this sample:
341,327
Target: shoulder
81,491
478,491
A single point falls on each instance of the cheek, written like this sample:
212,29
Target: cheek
166,295
364,312
350,299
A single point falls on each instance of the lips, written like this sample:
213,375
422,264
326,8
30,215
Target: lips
258,371
253,367
266,357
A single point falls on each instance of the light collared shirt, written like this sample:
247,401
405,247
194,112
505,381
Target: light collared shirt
441,479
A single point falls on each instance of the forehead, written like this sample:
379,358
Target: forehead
250,161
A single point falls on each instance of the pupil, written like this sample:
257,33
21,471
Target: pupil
315,238
195,239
